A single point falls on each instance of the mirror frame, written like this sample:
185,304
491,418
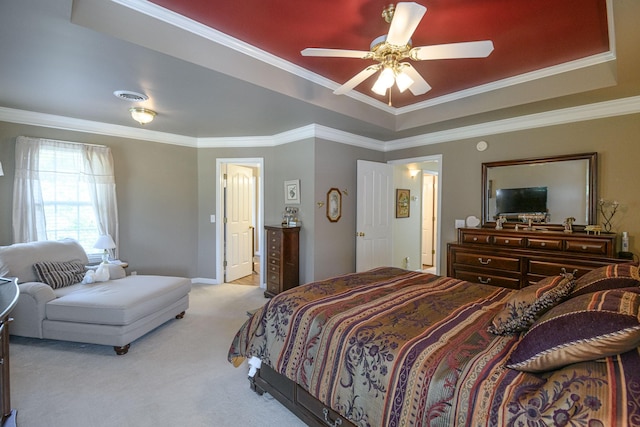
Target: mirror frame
592,198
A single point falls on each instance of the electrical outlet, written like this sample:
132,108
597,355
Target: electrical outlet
460,223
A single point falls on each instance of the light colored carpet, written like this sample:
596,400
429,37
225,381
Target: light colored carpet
177,375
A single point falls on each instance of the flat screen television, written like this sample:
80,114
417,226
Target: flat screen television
521,200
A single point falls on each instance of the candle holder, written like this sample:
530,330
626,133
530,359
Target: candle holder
607,210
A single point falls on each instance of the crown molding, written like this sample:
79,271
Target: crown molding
78,125
600,110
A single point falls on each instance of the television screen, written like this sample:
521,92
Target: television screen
521,200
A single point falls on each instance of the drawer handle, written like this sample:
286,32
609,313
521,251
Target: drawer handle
483,262
543,244
475,239
328,421
584,247
273,269
483,281
507,241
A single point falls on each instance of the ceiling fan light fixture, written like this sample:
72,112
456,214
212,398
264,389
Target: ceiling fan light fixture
142,115
384,82
379,89
403,81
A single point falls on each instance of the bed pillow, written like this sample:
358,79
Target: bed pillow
614,276
59,274
587,327
527,304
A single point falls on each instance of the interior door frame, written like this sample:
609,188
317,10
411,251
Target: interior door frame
437,158
244,161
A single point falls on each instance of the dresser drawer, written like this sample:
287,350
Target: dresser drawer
273,253
587,247
273,239
273,269
547,244
273,287
486,260
508,241
476,238
549,268
273,261
487,279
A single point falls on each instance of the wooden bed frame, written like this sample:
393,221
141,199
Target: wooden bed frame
306,407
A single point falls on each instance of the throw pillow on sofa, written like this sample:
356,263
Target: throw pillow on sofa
59,274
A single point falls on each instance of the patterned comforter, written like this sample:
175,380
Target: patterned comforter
390,347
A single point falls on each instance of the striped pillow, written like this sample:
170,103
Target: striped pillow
59,274
587,327
614,276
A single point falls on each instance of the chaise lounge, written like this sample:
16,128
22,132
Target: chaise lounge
115,312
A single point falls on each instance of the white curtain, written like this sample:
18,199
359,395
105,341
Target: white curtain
96,169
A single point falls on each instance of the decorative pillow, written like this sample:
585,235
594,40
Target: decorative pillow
527,304
614,276
59,274
116,271
587,327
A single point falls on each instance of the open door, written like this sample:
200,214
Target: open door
429,218
238,222
374,215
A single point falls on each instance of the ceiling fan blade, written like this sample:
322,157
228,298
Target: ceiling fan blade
480,49
406,18
337,53
356,80
419,86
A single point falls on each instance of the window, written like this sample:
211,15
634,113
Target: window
64,190
68,210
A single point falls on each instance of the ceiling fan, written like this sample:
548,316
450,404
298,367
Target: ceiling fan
391,49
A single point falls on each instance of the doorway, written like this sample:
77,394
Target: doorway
427,230
239,207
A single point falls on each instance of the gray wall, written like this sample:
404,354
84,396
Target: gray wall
166,193
335,245
156,186
615,140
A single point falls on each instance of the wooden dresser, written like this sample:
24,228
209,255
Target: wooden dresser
283,253
515,258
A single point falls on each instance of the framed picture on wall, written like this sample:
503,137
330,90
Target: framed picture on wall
292,192
334,205
402,202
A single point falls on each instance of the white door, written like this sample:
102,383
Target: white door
428,218
238,225
374,215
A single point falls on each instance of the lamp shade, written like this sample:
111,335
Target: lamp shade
105,242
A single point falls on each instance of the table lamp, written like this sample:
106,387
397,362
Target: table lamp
105,242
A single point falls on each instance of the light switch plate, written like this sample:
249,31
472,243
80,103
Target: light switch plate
213,219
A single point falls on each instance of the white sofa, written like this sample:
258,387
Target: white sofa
114,312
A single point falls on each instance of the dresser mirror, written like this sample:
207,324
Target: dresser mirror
547,189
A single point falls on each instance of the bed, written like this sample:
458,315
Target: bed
391,347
